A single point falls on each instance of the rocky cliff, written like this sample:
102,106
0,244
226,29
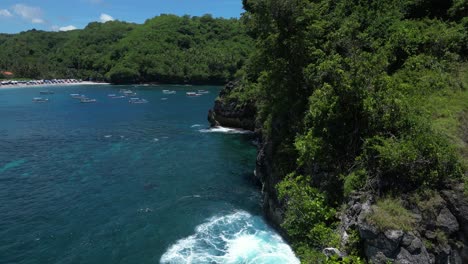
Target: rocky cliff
440,232
439,236
231,112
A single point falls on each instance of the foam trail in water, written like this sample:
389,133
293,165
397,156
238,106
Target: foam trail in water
225,130
196,125
235,238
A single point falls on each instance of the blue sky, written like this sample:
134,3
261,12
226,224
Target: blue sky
55,15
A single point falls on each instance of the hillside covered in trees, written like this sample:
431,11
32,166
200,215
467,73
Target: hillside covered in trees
166,49
363,111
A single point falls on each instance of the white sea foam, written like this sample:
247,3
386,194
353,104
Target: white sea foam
108,136
225,130
234,238
196,125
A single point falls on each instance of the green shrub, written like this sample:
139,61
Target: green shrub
354,245
389,214
428,201
354,181
306,213
441,237
313,256
423,159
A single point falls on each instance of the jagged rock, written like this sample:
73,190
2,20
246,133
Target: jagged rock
382,243
379,258
429,234
447,222
412,243
396,246
457,202
367,231
230,112
394,236
330,252
405,257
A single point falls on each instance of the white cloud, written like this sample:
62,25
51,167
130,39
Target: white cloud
5,13
30,13
105,18
67,28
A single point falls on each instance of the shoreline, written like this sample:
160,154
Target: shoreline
13,86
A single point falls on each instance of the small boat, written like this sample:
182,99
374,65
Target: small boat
78,96
46,92
40,100
137,101
192,94
127,92
168,92
87,100
203,91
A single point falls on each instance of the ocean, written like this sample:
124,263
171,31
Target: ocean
116,182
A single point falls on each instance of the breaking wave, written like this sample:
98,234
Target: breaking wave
226,130
234,238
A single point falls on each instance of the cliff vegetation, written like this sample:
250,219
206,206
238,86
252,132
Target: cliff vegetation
363,109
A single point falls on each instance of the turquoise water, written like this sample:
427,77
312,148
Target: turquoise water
114,182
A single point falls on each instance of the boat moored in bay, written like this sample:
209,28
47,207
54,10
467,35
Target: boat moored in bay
47,92
87,100
169,92
40,100
192,94
137,101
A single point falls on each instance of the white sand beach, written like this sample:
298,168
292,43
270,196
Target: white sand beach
24,85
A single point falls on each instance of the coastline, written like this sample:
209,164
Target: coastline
14,86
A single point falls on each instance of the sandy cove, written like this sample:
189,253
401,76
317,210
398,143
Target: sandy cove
12,86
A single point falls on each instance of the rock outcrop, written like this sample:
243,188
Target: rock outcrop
439,237
230,112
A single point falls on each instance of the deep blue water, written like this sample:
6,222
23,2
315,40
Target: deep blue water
114,182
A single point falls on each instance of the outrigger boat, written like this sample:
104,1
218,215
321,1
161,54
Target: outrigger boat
47,92
168,92
40,100
137,101
192,94
78,96
88,100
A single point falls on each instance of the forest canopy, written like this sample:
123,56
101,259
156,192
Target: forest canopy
166,49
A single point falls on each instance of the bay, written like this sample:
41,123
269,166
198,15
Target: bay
115,182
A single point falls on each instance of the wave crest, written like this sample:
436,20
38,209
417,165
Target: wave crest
225,130
234,238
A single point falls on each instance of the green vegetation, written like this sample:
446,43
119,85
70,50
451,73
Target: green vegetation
167,49
307,213
389,214
358,95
